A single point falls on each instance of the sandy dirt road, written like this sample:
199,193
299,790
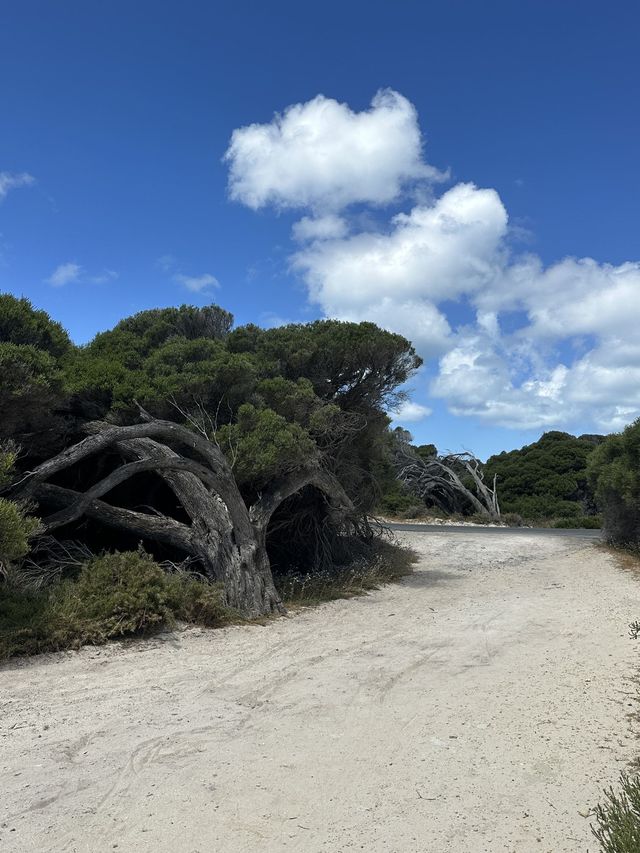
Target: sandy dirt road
479,706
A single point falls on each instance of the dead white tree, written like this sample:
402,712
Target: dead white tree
441,480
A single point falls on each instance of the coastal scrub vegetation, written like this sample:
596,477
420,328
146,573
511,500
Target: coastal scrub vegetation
614,477
253,456
542,484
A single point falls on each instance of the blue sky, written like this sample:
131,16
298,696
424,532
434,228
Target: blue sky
121,113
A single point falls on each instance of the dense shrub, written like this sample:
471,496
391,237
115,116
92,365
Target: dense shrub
583,522
16,529
614,473
415,511
546,479
114,595
16,525
33,395
22,324
395,502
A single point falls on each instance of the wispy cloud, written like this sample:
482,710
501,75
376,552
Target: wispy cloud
104,277
197,283
65,274
14,180
170,265
72,273
167,263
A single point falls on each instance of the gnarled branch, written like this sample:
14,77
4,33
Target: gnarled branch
160,528
105,435
262,510
76,510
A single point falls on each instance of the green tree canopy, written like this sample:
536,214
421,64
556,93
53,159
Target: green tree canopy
356,365
22,324
33,352
614,474
320,387
545,479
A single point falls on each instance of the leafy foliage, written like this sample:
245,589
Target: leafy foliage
17,527
357,365
264,445
8,456
614,474
31,393
396,500
618,818
159,357
33,350
547,479
23,325
114,595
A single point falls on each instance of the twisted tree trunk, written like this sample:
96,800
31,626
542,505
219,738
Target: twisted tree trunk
226,536
439,479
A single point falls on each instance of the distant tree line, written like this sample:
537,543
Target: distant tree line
560,479
547,479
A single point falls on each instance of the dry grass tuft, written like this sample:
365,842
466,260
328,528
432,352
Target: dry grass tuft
386,562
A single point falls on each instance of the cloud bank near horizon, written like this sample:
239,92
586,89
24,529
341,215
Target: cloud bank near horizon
549,346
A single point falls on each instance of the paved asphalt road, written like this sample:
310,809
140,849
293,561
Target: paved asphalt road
500,531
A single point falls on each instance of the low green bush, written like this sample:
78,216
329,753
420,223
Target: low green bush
16,528
113,596
618,818
584,522
395,502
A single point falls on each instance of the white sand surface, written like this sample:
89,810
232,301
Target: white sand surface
481,705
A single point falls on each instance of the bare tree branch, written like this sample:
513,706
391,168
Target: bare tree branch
76,510
104,435
262,510
440,479
161,528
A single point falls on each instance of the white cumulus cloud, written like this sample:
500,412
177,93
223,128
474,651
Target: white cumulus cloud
439,251
324,156
549,346
410,412
322,228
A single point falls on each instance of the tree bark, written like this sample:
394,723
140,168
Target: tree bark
434,477
224,539
224,534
